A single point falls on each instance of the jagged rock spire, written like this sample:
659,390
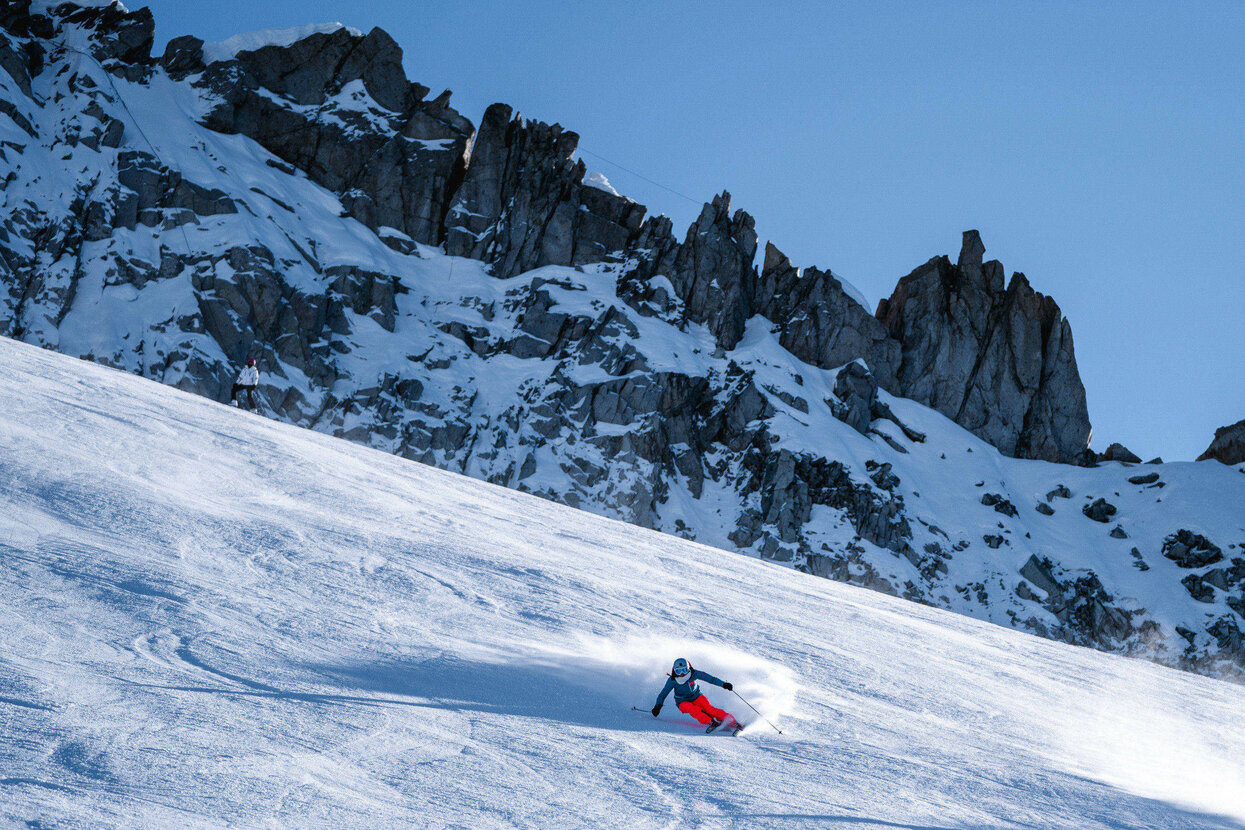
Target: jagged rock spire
1000,363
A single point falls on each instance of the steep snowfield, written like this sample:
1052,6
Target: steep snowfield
213,619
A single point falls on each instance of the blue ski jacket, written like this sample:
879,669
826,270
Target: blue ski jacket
684,692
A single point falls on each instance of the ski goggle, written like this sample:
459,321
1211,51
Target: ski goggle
679,675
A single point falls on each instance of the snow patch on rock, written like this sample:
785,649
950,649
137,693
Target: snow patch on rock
224,50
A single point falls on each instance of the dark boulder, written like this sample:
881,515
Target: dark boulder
1000,504
1119,452
857,393
1100,511
1191,550
1198,588
183,56
1148,478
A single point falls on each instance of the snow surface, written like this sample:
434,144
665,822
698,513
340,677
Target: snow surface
212,619
223,50
852,291
600,182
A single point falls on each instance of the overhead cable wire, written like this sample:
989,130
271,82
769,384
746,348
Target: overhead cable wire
641,176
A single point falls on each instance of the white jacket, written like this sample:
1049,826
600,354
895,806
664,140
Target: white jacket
249,376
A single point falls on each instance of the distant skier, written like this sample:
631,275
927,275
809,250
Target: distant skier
690,700
247,380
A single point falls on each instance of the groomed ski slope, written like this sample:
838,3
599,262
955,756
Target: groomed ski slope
210,619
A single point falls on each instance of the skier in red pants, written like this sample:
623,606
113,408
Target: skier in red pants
691,701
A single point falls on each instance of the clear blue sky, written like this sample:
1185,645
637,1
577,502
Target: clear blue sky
1098,147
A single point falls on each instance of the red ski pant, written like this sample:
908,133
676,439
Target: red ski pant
702,710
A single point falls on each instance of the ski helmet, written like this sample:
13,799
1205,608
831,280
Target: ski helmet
680,668
250,361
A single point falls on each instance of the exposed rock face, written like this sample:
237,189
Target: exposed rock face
523,203
856,403
339,107
1228,446
712,271
819,323
121,40
791,485
619,367
1000,362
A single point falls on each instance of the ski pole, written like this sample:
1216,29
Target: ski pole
753,708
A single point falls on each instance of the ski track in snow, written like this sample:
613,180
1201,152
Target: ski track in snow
211,619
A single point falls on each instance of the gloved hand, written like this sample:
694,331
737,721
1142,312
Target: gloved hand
727,686
656,710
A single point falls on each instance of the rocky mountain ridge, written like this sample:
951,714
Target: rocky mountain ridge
462,297
999,361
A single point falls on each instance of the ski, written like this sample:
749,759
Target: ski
738,727
734,730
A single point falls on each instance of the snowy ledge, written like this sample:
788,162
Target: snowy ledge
224,50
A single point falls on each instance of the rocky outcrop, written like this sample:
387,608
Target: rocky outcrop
819,323
1119,452
855,402
999,361
856,392
1191,550
338,107
1100,510
1085,607
152,194
1228,446
791,485
523,203
120,39
712,270
1000,504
